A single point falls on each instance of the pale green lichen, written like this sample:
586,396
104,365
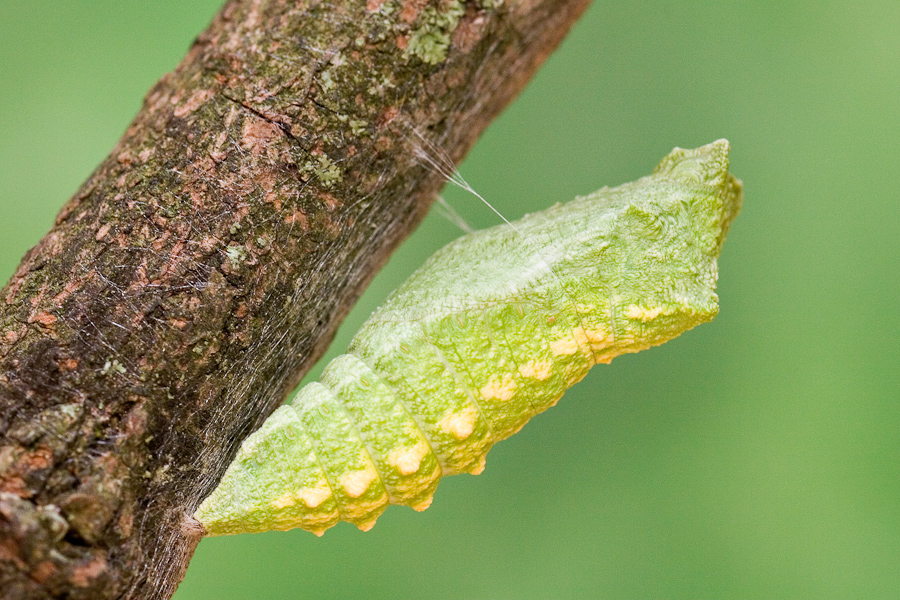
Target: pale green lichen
338,60
236,254
327,172
112,366
359,127
431,40
326,81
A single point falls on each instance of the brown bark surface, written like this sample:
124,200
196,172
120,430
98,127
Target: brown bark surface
205,264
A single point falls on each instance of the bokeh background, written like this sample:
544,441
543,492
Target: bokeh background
754,457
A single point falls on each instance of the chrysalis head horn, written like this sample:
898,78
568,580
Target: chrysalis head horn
706,165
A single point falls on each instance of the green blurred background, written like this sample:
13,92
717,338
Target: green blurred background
754,457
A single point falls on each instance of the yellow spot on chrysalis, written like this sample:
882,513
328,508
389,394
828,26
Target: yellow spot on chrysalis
499,389
599,337
590,340
355,483
478,468
580,337
564,346
643,314
536,369
422,504
313,497
284,501
584,308
408,460
460,425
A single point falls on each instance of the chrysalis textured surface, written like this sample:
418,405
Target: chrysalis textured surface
490,331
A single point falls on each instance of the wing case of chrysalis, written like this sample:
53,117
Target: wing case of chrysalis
490,331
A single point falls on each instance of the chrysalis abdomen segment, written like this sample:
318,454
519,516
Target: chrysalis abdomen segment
351,473
429,386
407,468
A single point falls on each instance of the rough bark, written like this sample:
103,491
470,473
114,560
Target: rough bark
206,263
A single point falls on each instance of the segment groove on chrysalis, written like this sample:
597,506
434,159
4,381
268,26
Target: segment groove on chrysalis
458,425
498,330
350,471
489,332
569,298
401,454
404,405
431,390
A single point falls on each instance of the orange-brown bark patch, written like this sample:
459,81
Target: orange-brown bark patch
257,134
15,485
387,115
44,571
411,9
193,103
101,233
38,459
331,202
469,32
298,217
42,318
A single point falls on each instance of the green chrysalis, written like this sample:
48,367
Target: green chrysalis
490,331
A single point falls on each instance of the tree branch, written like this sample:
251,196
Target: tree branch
206,263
